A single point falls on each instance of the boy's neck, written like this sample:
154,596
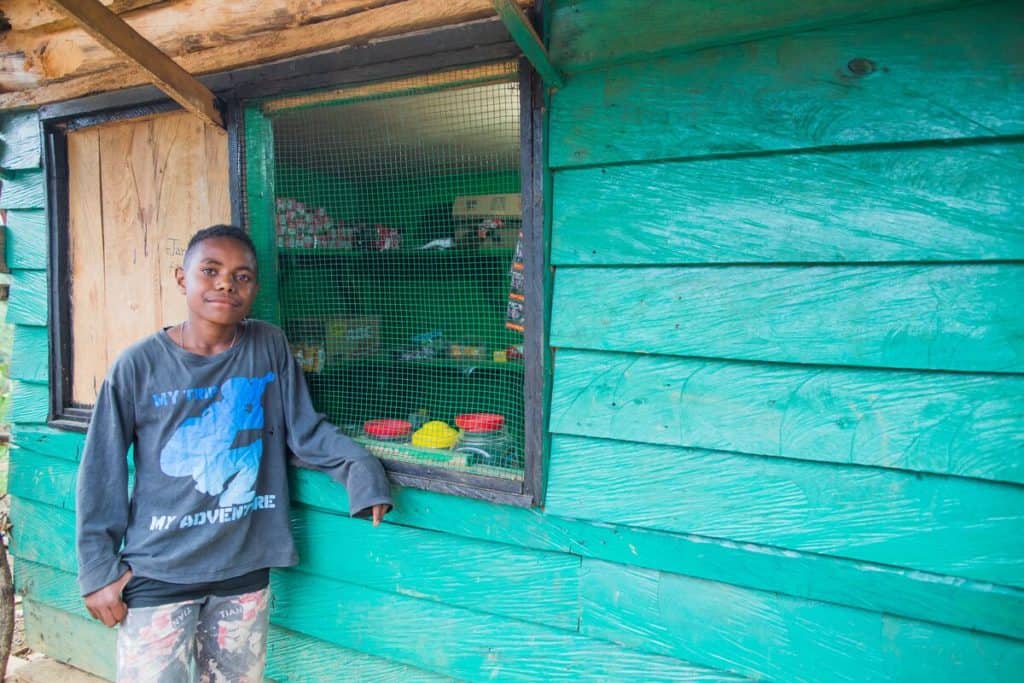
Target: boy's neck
204,338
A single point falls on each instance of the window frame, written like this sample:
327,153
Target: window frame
422,53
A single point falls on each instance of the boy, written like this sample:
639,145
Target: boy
210,406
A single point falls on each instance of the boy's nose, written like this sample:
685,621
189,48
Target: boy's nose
225,284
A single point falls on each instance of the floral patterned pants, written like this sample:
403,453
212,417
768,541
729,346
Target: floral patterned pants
210,640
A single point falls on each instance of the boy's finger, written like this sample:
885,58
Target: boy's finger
378,515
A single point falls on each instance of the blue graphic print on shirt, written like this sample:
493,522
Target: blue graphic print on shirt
204,447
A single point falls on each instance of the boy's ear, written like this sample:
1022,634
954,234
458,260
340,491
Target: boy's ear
179,277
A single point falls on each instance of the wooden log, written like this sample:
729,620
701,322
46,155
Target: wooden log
30,402
23,190
41,16
118,37
388,20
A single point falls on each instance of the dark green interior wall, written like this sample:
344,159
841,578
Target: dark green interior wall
461,293
720,506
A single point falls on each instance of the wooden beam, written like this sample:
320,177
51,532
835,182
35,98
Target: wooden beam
522,31
110,30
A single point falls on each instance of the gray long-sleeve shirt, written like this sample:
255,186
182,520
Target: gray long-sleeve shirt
210,437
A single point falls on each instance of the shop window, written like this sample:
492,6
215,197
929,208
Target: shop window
396,233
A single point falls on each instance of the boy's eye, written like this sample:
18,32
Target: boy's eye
244,278
210,272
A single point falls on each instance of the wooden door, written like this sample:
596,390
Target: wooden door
137,190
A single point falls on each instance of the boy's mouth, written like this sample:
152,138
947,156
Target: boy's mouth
222,301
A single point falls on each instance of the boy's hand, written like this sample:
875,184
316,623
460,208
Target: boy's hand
106,603
379,511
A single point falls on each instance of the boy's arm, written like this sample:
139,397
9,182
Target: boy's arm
317,442
102,494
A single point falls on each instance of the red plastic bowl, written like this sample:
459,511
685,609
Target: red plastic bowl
480,422
387,429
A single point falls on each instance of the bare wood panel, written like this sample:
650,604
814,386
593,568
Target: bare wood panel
176,28
389,20
43,17
159,180
85,245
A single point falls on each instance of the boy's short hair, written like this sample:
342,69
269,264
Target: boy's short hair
220,230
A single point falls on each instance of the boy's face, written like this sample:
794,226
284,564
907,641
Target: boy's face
219,280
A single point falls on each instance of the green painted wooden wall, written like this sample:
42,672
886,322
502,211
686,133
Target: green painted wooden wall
787,406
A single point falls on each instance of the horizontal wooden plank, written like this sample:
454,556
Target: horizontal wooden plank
457,642
28,299
900,80
769,637
20,141
525,584
291,656
27,239
30,358
23,190
49,441
965,425
944,525
43,534
924,204
876,587
586,34
529,585
30,402
43,479
894,590
83,643
928,317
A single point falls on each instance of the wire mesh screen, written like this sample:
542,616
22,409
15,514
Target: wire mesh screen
399,263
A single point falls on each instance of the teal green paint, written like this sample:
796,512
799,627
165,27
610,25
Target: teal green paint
43,534
950,317
28,299
498,579
958,424
50,481
768,637
860,513
30,358
591,33
259,179
912,593
29,402
22,190
291,656
27,239
529,42
83,643
296,658
935,598
457,642
798,92
925,204
49,441
20,143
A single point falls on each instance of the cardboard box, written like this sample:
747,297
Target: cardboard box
486,205
352,337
